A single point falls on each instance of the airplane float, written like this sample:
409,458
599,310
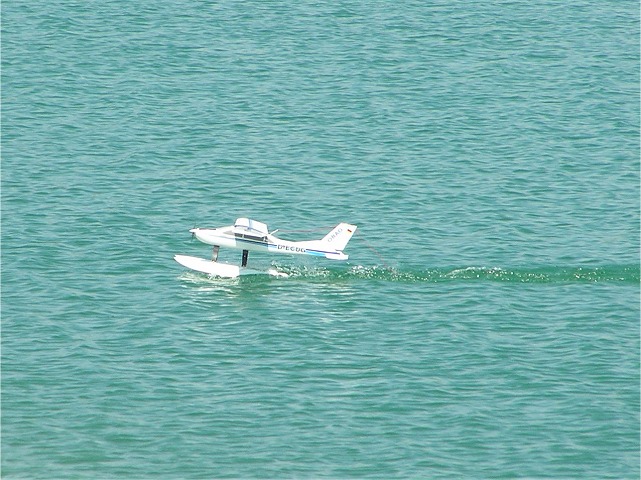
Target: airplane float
250,235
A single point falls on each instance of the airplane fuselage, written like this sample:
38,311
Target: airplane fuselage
226,237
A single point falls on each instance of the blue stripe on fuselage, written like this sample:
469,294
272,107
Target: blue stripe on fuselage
317,253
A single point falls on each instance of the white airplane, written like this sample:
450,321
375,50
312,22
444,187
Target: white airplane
250,235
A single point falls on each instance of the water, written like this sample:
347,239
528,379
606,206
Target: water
486,324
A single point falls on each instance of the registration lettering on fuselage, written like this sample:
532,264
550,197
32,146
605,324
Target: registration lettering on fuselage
289,248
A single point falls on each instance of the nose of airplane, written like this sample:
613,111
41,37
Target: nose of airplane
205,235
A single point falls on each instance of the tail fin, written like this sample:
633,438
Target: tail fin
337,239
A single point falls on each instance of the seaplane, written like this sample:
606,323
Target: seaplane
253,236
